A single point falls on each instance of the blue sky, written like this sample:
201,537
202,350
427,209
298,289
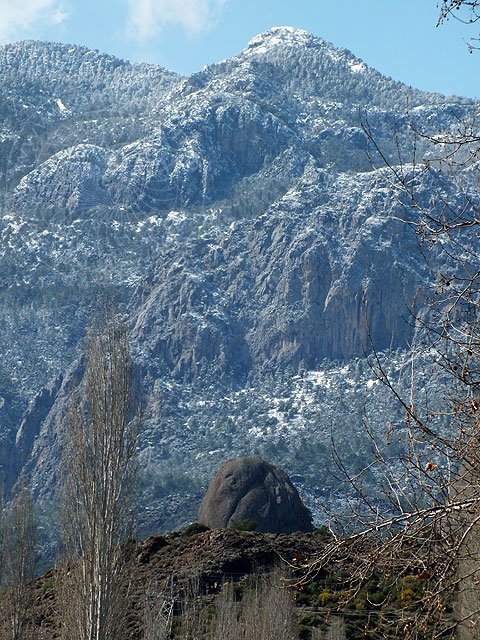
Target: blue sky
397,37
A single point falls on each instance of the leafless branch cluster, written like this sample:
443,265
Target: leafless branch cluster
448,7
428,527
466,11
264,610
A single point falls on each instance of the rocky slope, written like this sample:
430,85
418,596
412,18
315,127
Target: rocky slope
236,218
202,574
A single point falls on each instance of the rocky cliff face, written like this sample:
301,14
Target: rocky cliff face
235,217
288,288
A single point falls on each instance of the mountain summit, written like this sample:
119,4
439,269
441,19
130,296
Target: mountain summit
281,36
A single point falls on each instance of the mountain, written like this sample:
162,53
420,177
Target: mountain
249,230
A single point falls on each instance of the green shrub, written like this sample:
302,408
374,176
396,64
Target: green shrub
409,591
326,597
244,525
195,528
323,533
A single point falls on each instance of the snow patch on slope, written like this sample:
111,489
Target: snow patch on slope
357,66
278,36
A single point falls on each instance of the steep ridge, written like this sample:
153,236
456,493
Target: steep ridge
53,96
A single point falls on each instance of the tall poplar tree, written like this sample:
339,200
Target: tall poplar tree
99,470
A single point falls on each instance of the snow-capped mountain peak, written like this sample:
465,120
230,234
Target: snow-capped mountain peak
279,36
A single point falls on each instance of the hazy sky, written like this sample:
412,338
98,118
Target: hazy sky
397,37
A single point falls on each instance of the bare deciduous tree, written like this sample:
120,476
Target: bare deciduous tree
19,565
335,630
427,531
265,612
98,474
227,615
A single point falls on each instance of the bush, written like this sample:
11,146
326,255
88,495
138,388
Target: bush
195,528
244,525
323,533
325,597
410,591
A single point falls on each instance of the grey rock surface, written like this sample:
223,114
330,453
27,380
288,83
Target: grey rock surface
250,489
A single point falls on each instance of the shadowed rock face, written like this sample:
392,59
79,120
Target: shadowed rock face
249,488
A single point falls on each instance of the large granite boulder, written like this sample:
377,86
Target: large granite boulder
250,490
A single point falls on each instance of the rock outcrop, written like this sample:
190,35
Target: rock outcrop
250,490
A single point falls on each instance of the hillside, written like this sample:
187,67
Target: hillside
208,577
